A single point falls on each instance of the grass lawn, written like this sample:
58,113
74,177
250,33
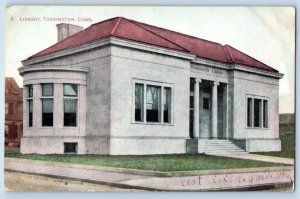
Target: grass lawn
181,162
287,144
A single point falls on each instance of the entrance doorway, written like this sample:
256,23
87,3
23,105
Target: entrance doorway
206,110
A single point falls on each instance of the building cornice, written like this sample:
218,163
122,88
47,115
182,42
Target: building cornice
26,69
257,71
237,67
155,49
140,46
113,41
66,52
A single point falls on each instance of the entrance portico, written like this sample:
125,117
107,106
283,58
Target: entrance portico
208,109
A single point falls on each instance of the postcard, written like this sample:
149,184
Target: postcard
149,98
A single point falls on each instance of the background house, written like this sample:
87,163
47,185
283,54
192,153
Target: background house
13,113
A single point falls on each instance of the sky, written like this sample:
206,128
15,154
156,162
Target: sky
265,33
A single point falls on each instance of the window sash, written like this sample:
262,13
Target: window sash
30,90
30,113
265,113
47,112
70,112
249,112
139,102
70,90
47,89
167,104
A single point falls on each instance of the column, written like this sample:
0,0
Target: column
225,111
58,109
196,108
214,113
37,106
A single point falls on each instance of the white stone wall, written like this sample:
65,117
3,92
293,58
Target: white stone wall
258,139
128,137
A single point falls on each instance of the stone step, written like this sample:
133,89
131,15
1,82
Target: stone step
225,153
221,145
222,148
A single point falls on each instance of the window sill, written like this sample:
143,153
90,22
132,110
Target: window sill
153,123
258,128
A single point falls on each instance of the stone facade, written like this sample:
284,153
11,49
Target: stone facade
208,100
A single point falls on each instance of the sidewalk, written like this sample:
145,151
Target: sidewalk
230,179
263,158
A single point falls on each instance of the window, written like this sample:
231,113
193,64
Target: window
257,113
152,103
30,104
206,103
6,108
139,102
47,112
70,90
47,89
70,147
249,112
47,104
30,113
70,105
30,91
157,100
167,105
265,113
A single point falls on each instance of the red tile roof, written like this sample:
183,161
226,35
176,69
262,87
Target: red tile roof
139,32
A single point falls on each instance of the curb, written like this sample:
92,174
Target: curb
151,173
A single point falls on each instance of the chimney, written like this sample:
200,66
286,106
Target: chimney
65,30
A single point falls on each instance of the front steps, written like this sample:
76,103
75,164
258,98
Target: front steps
213,147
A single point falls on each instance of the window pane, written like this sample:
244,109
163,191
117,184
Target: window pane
47,105
152,106
30,112
249,112
70,90
70,111
70,147
47,112
47,89
30,90
167,105
265,113
139,102
257,112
